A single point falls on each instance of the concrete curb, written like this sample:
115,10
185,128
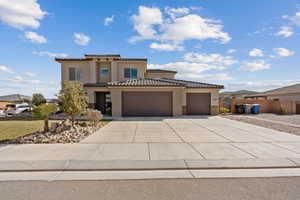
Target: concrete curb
130,165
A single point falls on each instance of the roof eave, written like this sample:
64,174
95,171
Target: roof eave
72,59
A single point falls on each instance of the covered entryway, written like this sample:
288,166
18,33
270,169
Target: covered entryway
103,102
146,103
298,107
198,103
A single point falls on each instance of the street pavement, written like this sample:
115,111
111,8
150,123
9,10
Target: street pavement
281,188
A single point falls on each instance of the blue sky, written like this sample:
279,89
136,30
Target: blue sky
249,44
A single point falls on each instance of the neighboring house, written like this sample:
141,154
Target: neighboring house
226,97
13,98
288,93
125,87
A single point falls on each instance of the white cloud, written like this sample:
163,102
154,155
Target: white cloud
230,51
30,74
260,85
187,67
34,37
214,58
285,31
282,52
175,12
191,27
19,85
81,39
256,53
6,69
108,20
20,79
166,47
256,65
50,54
21,13
295,19
144,23
181,26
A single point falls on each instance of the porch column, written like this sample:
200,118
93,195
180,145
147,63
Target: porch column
116,102
91,98
214,109
93,71
114,71
178,94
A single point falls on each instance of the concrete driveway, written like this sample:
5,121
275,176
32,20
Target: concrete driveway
194,138
197,142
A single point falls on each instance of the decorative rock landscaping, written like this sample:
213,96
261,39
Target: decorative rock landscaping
62,132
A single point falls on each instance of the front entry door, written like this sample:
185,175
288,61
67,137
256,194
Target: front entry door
101,103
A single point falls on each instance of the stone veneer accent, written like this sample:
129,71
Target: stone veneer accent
214,110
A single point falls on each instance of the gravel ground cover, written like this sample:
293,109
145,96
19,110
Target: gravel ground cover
292,119
60,132
271,125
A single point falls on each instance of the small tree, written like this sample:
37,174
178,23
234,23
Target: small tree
43,111
38,99
73,99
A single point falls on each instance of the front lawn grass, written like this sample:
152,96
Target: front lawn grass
11,129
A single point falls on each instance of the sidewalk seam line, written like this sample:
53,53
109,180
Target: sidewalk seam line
244,150
230,140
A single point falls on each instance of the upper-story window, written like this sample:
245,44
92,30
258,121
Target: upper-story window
75,74
104,71
130,73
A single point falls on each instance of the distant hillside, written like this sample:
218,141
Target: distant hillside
238,93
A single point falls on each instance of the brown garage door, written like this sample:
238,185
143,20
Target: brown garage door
198,103
146,103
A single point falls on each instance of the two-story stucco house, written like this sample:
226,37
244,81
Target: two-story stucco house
125,87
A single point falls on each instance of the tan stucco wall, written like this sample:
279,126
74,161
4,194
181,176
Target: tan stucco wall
116,98
90,69
160,75
91,93
214,95
179,97
286,97
116,102
84,67
140,65
103,78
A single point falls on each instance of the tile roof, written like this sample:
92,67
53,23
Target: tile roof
73,59
284,90
160,71
155,82
193,84
102,55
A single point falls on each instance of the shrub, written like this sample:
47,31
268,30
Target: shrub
283,111
38,99
224,110
73,99
43,111
94,116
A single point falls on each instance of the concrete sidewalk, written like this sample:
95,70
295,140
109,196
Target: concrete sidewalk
146,174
